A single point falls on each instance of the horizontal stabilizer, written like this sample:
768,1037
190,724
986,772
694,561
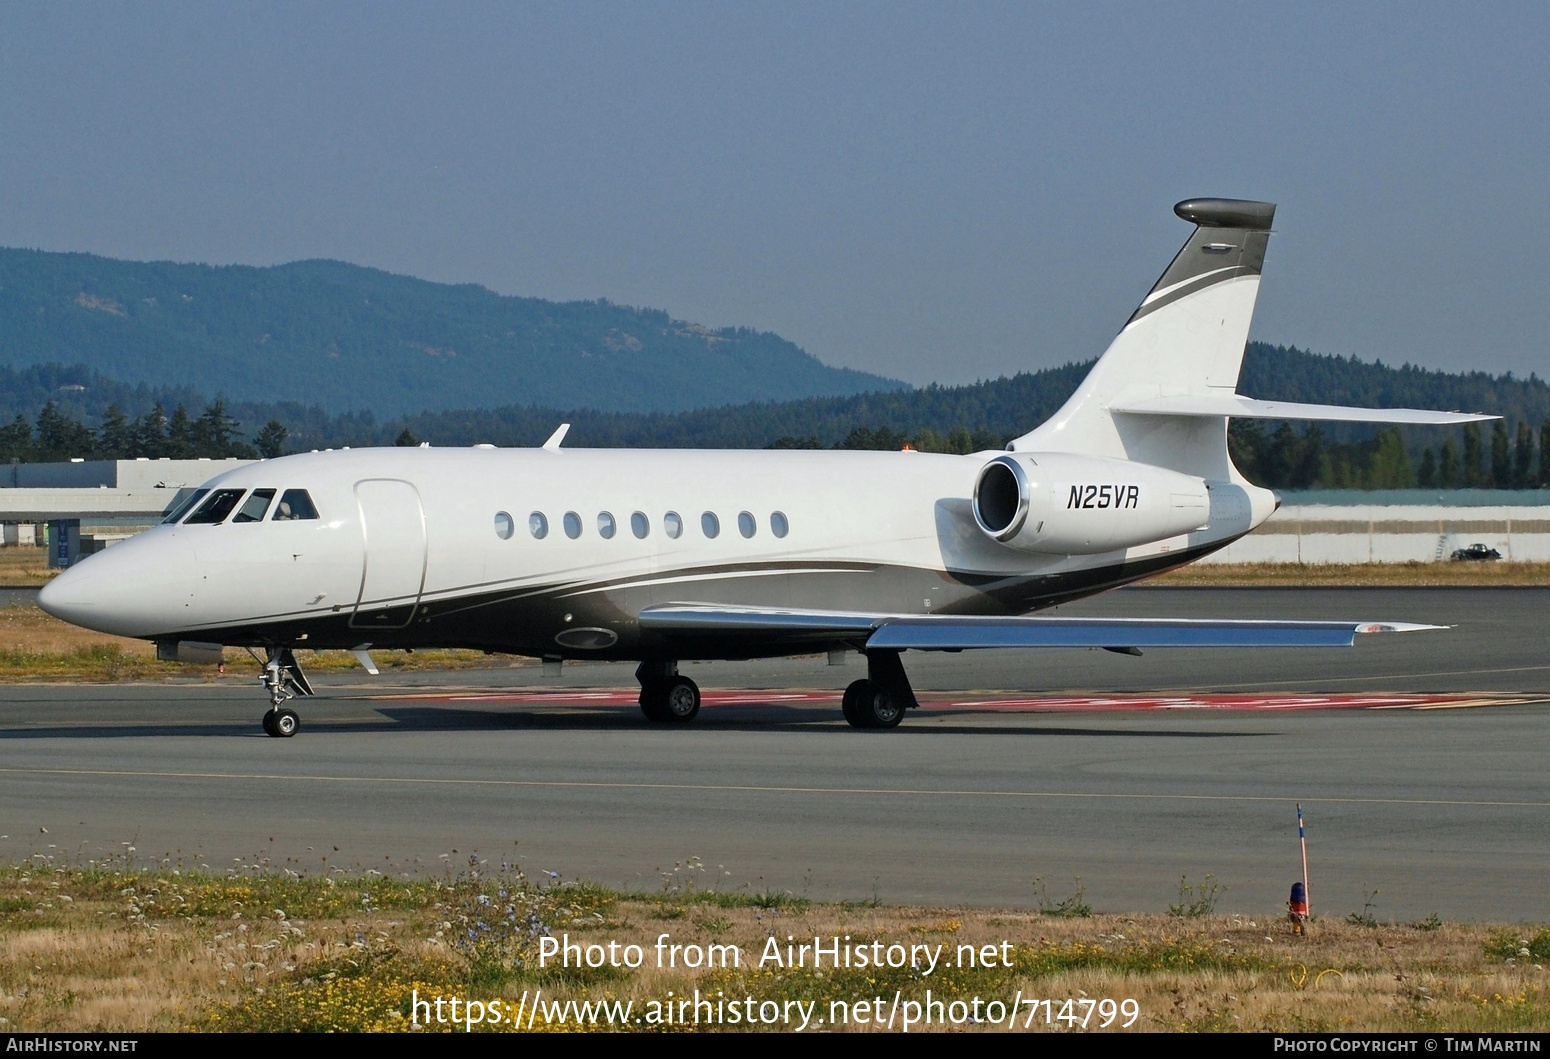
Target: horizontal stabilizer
1248,408
951,632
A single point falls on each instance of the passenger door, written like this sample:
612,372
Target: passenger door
393,574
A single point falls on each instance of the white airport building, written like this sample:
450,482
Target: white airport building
47,503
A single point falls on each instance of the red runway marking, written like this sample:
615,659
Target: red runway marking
1209,702
623,697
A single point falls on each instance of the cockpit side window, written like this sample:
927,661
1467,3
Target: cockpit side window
253,510
182,507
216,507
294,504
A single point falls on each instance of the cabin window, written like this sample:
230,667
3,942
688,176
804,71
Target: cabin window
605,525
253,510
710,524
640,525
538,525
215,509
504,526
179,509
673,524
778,524
746,524
294,506
572,525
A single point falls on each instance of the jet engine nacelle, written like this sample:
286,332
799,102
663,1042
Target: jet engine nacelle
1067,504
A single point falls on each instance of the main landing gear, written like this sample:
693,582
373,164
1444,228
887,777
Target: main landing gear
283,680
880,700
664,695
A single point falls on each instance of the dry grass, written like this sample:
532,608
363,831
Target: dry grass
24,567
1359,575
109,949
35,645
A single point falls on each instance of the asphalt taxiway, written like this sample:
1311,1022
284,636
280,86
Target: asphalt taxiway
1419,761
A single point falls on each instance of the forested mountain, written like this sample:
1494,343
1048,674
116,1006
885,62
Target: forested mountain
79,413
348,338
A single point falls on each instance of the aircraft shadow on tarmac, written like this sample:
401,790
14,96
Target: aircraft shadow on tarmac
558,718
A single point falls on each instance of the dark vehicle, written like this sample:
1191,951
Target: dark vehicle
1476,553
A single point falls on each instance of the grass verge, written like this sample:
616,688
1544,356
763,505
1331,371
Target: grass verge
114,948
36,646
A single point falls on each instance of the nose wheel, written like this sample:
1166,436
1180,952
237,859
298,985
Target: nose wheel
281,723
283,680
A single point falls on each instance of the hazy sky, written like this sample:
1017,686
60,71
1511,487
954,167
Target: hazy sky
938,192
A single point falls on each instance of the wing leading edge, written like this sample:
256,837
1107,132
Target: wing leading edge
949,632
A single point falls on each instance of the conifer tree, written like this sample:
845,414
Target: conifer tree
1501,458
1448,465
1472,477
1523,464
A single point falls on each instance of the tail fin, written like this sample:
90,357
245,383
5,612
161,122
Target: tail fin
1185,339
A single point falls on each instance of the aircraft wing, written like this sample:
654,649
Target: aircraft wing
950,632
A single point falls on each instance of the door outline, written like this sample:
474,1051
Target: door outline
387,619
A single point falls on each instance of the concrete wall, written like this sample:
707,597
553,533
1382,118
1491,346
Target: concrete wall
83,474
1391,534
110,489
172,474
114,474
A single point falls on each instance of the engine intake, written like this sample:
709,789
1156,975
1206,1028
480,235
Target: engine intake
1063,503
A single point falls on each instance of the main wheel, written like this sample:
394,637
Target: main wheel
883,709
852,706
681,699
269,723
653,700
870,705
285,723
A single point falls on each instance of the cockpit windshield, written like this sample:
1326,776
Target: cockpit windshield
215,508
182,507
257,504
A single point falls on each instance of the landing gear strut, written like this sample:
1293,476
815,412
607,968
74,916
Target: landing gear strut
880,700
664,695
283,680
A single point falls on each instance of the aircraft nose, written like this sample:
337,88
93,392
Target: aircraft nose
133,589
66,597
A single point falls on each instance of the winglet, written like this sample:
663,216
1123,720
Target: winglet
553,444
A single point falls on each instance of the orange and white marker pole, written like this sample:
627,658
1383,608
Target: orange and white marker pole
1297,908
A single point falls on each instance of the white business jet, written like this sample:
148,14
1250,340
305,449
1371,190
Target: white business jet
660,556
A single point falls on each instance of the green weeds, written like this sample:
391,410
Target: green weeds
1073,906
1196,899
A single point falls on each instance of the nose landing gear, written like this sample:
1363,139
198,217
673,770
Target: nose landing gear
283,680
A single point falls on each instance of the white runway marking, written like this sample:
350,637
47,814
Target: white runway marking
442,781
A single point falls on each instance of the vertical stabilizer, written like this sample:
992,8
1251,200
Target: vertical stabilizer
1185,339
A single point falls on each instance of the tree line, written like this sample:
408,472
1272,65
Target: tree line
54,407
57,436
1286,459
1279,458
